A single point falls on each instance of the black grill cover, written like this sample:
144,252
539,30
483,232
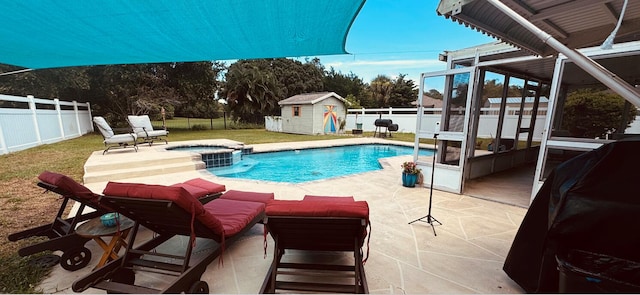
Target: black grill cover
382,122
591,203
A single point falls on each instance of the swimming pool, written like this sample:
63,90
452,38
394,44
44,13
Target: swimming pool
313,164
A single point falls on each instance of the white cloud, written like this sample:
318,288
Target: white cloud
369,69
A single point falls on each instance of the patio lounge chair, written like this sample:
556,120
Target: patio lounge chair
169,211
142,127
61,232
115,140
317,224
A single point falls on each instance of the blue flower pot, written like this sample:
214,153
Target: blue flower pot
409,180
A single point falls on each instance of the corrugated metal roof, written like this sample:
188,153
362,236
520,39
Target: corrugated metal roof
529,99
575,23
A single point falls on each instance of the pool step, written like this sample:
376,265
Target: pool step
141,159
117,166
125,173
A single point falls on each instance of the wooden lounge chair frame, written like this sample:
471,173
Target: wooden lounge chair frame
316,234
61,232
167,220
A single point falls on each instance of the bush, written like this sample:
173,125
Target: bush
590,113
199,127
242,125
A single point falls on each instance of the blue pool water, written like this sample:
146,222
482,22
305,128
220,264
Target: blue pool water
313,164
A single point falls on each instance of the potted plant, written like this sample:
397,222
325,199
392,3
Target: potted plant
410,173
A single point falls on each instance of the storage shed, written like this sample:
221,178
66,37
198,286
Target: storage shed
313,113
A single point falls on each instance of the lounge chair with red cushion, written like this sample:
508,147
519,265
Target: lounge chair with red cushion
169,211
61,232
317,224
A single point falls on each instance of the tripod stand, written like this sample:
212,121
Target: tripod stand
430,219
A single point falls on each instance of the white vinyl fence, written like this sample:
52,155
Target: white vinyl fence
27,122
406,120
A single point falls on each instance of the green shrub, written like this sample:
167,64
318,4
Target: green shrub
199,127
242,125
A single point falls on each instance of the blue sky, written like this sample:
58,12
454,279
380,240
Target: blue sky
394,37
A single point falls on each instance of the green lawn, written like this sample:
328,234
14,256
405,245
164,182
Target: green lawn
23,205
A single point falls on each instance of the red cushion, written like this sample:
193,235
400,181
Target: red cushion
71,186
329,198
195,191
210,187
248,196
233,215
178,195
311,208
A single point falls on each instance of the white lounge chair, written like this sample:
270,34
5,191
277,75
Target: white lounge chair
142,127
115,140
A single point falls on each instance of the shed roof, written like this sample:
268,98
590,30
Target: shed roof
310,98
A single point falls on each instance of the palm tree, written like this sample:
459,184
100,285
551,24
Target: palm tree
250,92
381,88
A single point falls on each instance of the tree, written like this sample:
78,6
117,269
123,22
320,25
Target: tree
63,83
353,102
251,91
589,113
295,77
254,87
343,84
494,88
491,88
434,93
120,90
380,88
403,93
195,85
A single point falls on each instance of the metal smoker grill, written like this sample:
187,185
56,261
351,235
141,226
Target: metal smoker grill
388,126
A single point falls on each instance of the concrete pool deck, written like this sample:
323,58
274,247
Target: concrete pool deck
466,256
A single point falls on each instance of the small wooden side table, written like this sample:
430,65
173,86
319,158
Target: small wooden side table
95,230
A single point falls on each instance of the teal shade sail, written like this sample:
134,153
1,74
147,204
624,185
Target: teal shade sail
47,34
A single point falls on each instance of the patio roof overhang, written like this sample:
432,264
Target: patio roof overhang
545,27
50,34
574,23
